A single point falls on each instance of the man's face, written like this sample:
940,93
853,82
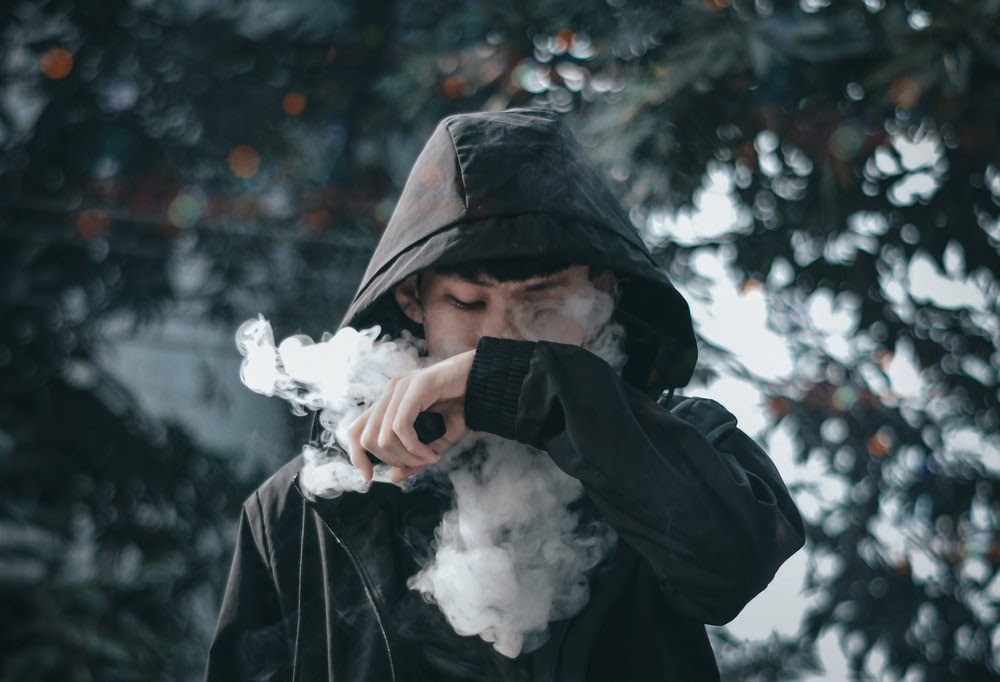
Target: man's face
456,312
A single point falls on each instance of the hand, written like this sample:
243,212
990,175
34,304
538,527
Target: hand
386,428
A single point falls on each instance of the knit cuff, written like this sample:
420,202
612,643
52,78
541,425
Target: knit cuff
494,388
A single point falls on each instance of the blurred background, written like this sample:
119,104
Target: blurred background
821,178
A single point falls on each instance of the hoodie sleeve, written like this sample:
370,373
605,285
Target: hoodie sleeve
694,495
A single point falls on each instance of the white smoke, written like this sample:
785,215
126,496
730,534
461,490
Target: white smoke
511,555
588,307
339,377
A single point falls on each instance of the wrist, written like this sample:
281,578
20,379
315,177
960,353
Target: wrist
499,367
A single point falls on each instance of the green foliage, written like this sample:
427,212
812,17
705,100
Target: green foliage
221,162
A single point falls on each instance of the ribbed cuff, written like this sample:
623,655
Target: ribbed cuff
494,387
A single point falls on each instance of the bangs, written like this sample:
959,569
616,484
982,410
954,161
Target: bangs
506,269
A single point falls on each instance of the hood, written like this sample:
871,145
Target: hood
515,183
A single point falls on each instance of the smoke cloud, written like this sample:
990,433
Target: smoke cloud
512,555
339,377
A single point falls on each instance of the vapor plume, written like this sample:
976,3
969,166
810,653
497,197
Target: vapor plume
339,377
512,555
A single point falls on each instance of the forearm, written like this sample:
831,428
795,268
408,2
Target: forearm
695,496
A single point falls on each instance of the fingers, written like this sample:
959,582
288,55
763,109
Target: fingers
405,411
396,441
386,431
360,459
359,455
397,474
454,424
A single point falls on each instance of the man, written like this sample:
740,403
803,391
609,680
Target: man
499,223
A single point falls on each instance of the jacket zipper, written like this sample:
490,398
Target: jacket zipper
369,593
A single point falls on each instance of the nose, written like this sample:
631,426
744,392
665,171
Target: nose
499,323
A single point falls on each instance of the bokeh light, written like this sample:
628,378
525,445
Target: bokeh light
879,444
186,208
904,92
244,161
294,103
455,86
563,39
531,76
57,63
92,223
778,407
844,398
846,141
319,220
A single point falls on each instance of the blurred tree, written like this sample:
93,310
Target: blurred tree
861,138
165,157
154,162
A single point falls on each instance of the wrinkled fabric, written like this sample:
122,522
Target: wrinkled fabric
516,184
317,587
703,518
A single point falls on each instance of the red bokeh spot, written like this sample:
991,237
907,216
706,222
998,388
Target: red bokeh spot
57,63
92,223
455,87
244,161
294,103
879,445
319,220
904,92
778,407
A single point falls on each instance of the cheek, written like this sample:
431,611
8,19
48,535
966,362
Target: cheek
571,333
572,318
448,333
549,324
565,330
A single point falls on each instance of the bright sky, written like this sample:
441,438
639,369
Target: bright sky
738,321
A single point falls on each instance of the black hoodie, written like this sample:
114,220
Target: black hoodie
515,184
317,589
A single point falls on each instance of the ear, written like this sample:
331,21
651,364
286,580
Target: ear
407,295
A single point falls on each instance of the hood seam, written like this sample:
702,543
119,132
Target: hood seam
461,169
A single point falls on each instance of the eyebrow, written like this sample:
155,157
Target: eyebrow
478,280
485,281
544,284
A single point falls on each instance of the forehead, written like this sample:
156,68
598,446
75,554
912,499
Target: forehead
573,275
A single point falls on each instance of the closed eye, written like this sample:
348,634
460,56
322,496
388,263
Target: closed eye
467,305
544,311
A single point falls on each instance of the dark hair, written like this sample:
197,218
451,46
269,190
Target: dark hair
505,269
